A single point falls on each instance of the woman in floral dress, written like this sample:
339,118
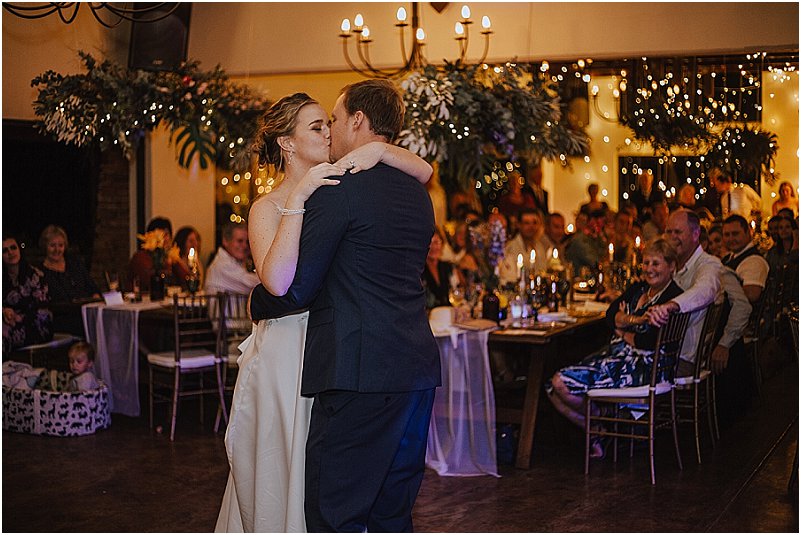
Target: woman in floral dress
627,361
26,317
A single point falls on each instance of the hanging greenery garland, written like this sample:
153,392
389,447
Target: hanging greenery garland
110,106
741,150
469,117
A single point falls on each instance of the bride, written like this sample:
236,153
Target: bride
266,436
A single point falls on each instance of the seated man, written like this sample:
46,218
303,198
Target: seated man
698,275
227,272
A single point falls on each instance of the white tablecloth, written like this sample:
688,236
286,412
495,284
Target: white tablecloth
461,437
114,332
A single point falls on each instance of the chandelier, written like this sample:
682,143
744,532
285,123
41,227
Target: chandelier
415,59
67,11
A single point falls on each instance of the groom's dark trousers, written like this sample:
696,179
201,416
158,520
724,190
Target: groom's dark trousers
370,361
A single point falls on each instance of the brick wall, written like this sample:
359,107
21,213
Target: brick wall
110,250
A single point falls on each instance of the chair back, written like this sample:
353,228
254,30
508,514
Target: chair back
706,342
195,317
237,325
668,346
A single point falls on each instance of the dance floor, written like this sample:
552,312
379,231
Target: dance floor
129,479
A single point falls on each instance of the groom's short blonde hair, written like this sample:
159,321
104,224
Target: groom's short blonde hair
380,102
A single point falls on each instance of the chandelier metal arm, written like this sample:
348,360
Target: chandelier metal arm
39,11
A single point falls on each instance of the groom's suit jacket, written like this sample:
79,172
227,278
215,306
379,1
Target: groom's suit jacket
362,252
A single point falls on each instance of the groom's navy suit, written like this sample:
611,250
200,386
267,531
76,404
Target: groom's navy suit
370,361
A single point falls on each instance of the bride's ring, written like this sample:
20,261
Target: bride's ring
352,164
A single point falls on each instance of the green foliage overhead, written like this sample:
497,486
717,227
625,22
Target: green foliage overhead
109,105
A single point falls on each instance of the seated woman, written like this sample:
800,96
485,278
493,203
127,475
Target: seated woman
186,238
437,274
26,317
626,362
67,279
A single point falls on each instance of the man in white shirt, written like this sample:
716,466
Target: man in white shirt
554,235
227,272
528,237
698,275
741,199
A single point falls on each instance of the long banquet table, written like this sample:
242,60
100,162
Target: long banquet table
550,346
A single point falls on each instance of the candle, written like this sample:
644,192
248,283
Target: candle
520,261
532,258
555,254
191,259
611,253
521,270
637,242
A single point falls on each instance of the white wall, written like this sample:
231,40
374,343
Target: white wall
257,38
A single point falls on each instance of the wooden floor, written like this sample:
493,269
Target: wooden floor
130,479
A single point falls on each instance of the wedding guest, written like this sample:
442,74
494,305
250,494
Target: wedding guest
141,265
685,198
742,199
645,194
698,274
511,203
555,236
227,272
594,205
716,245
655,227
744,258
788,214
82,364
26,317
530,236
187,238
787,199
627,360
438,276
779,254
773,228
533,189
588,248
621,238
68,281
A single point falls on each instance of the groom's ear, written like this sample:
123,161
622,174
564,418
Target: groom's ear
358,119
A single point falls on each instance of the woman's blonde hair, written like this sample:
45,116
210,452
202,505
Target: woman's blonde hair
279,120
49,232
662,247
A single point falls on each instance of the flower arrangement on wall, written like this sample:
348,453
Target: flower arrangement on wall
207,114
470,117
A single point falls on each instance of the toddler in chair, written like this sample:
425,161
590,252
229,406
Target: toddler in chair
82,362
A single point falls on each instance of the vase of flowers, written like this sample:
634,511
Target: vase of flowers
489,241
157,243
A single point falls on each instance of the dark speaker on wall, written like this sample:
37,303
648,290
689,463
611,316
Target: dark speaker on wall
159,45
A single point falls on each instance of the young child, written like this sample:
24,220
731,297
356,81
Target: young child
82,362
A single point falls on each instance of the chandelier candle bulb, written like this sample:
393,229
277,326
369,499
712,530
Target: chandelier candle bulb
459,30
401,15
465,12
421,35
358,21
486,24
345,26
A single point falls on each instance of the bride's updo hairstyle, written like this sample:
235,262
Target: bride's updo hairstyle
279,120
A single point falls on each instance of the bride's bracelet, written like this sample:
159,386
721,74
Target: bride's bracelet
288,211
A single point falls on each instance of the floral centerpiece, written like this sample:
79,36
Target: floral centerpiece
156,243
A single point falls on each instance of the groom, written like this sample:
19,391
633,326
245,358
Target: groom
371,362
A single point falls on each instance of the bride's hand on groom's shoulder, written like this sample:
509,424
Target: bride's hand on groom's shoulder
314,178
364,157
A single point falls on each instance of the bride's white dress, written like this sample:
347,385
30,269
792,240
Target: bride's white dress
266,436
